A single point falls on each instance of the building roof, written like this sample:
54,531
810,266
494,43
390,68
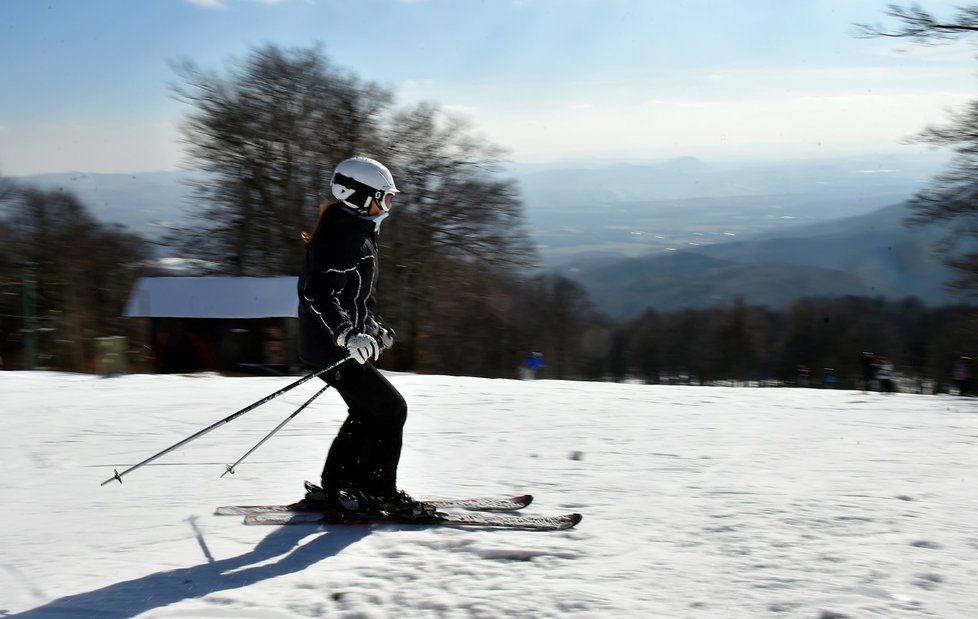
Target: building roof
213,297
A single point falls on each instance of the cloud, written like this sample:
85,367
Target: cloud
220,4
460,109
835,79
207,4
123,146
417,84
803,123
950,52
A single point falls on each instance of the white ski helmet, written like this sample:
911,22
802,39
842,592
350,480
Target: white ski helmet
358,180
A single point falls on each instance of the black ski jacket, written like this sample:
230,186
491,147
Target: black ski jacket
337,285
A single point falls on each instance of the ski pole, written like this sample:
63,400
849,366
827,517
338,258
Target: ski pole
230,467
118,476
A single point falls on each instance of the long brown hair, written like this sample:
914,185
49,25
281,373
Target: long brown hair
328,212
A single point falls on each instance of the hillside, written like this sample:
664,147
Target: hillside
630,210
868,255
878,248
678,280
142,201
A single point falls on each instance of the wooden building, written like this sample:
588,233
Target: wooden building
221,324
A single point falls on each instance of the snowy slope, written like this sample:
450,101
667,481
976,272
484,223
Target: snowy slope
698,502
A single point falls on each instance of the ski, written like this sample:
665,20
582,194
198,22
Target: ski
478,504
471,519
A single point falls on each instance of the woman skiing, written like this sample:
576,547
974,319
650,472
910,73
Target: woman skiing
337,285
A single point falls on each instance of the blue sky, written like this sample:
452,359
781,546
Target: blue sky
86,85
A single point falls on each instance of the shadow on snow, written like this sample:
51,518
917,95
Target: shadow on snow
132,597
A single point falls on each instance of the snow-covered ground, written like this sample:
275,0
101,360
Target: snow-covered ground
698,502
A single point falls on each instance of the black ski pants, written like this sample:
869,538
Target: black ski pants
367,449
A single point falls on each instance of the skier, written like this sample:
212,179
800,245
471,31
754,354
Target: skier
884,373
868,362
337,286
962,375
531,366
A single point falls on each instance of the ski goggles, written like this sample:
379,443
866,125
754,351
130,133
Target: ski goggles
385,199
363,192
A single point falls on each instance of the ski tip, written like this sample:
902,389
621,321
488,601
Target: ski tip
523,499
575,518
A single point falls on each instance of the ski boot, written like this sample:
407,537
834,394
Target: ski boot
328,501
402,506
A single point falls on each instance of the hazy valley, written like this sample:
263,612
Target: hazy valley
681,233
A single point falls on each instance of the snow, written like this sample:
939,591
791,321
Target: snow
698,502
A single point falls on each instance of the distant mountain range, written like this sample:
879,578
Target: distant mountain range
680,233
143,201
688,177
629,210
871,255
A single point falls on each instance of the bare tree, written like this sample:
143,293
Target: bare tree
951,197
83,270
453,211
448,176
920,25
267,135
